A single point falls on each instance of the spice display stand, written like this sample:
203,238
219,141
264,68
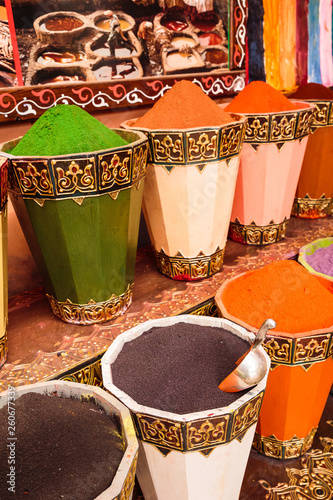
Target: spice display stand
42,347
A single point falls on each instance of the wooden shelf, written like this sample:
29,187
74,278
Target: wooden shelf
43,347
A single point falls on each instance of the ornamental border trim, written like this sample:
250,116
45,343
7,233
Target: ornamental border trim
203,434
93,312
252,234
303,351
278,128
81,175
202,266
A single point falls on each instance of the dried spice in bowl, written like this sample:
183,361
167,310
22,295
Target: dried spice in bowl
184,106
322,260
260,97
79,205
64,448
282,290
317,257
314,91
314,193
191,175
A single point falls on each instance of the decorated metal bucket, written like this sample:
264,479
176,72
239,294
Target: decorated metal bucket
80,214
314,193
193,456
3,262
188,195
270,165
298,385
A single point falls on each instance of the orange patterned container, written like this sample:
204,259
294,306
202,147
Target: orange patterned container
298,385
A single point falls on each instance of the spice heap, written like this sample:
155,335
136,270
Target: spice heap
178,368
322,260
65,448
184,106
66,129
260,97
284,291
314,91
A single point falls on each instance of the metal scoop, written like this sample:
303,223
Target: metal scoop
251,367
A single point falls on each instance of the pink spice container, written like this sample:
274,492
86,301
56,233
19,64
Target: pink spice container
270,165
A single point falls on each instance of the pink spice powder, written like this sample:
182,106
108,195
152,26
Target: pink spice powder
322,260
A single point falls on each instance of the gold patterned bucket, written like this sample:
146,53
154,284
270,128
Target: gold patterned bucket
188,196
3,263
194,456
80,215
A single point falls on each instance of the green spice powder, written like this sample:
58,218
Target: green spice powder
66,129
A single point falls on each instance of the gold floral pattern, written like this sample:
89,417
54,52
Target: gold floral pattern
252,234
65,177
193,268
207,308
282,128
197,146
270,446
128,485
278,128
232,139
304,351
314,481
74,176
201,435
162,432
33,178
323,114
202,145
207,432
167,148
311,349
91,375
279,350
305,119
257,129
308,208
140,158
93,312
115,169
246,416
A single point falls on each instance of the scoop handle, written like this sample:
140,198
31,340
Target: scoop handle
268,324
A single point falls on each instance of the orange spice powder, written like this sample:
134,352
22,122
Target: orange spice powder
284,291
260,97
184,106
